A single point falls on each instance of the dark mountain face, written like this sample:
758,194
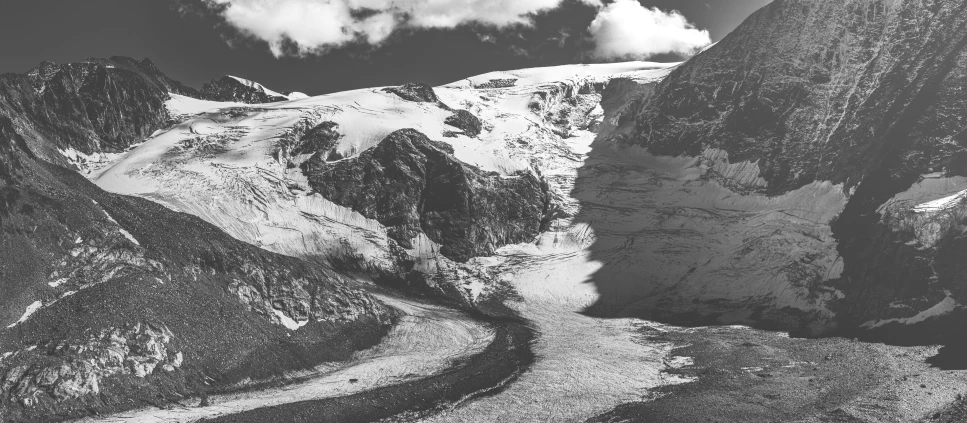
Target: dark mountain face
228,88
102,105
863,93
414,185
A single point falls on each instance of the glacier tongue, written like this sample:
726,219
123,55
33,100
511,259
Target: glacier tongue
224,164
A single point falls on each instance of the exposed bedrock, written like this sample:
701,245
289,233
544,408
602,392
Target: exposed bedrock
415,91
100,105
238,90
413,185
465,121
863,95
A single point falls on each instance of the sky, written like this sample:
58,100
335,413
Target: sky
323,46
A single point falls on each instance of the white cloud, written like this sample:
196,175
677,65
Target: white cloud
622,29
317,24
626,29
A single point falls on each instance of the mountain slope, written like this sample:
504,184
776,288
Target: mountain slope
232,88
285,176
862,95
111,301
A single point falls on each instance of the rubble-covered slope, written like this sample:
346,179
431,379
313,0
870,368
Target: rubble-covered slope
865,95
111,301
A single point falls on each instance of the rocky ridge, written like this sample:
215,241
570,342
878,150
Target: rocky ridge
233,89
861,94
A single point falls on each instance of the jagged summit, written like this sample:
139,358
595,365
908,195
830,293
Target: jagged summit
235,89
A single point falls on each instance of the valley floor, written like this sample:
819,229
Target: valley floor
749,375
429,339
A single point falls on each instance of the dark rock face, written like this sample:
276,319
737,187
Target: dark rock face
230,89
319,140
102,105
497,83
805,88
127,300
865,93
412,185
466,121
415,91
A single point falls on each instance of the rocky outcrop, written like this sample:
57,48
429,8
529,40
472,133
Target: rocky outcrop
415,186
74,370
415,91
109,300
321,139
862,93
100,105
466,122
230,88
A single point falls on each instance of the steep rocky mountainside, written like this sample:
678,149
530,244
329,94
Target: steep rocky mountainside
101,105
864,94
233,89
112,301
411,184
104,105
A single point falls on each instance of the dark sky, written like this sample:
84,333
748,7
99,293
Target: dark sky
192,48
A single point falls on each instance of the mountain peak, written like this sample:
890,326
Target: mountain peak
237,89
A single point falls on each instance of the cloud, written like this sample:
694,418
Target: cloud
627,30
315,25
623,29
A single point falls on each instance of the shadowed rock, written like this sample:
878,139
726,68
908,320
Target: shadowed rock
864,94
465,121
415,91
232,89
414,185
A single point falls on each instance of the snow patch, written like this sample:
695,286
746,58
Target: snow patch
129,236
180,105
57,283
600,71
946,306
289,322
941,204
31,309
120,228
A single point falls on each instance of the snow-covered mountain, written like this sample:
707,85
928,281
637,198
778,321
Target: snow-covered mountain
803,174
264,173
270,174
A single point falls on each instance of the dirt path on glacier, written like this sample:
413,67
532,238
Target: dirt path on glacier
435,355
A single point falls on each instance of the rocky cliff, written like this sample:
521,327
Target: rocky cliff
863,94
100,105
413,185
233,89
